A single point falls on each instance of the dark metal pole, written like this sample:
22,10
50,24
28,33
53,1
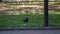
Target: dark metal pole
45,13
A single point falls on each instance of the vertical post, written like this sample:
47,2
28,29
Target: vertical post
45,13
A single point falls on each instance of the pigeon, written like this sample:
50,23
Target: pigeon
25,19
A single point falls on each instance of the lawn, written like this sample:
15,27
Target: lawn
17,20
34,20
54,20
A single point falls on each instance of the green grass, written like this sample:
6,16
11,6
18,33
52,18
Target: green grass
34,20
17,20
54,20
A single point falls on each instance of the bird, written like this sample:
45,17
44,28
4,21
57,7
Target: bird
25,19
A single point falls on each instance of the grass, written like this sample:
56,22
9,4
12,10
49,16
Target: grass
34,20
17,20
54,20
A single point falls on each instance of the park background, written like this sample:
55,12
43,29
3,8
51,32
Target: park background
12,13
